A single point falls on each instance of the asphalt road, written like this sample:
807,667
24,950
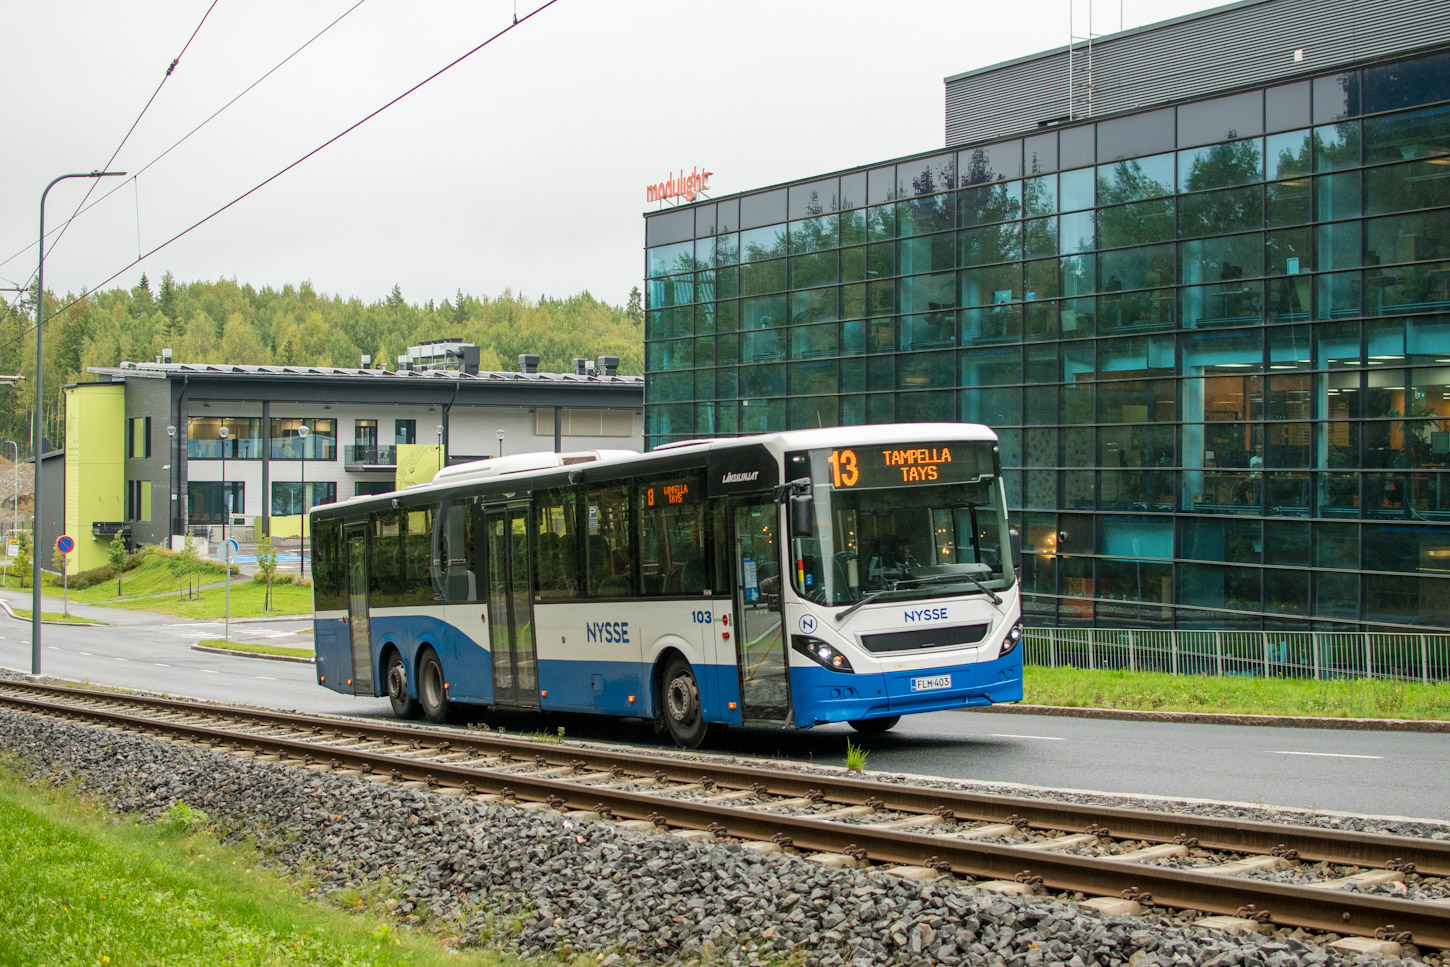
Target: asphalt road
1380,773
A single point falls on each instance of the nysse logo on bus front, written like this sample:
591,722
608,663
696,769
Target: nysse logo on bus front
918,464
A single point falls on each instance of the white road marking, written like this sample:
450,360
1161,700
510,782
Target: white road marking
1010,735
209,671
264,678
1327,755
86,653
160,664
114,658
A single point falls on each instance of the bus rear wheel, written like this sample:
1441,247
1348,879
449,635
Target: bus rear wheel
875,726
431,690
395,680
680,704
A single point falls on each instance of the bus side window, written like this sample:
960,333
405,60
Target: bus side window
672,525
453,580
607,542
556,547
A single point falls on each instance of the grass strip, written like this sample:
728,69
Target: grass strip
255,649
248,600
60,616
1158,692
154,575
79,888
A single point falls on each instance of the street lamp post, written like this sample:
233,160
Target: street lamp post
302,432
15,526
499,434
35,622
223,432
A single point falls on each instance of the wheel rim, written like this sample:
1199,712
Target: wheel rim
397,680
683,699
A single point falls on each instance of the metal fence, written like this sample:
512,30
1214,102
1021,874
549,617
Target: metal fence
1268,654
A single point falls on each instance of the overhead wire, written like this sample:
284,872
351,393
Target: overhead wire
212,117
273,177
61,229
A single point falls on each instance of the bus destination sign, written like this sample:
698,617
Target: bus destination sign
895,466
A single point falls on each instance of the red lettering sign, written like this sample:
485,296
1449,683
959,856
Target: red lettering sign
679,186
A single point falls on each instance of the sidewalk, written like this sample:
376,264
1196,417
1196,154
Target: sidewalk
244,630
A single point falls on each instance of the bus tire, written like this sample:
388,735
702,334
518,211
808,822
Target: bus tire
875,726
395,684
680,704
432,693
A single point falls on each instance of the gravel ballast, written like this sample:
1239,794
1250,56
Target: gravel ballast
543,884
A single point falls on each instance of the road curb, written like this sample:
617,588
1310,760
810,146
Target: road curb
1226,718
252,654
66,624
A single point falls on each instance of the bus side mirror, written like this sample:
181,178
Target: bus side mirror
802,515
1014,537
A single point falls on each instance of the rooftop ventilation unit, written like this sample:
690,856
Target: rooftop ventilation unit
608,365
528,363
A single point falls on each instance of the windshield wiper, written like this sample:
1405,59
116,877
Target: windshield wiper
872,596
950,578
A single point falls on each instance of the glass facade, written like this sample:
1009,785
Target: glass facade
1214,339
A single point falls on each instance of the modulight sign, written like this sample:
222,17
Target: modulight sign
679,186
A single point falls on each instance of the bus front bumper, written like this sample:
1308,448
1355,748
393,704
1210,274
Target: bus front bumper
823,696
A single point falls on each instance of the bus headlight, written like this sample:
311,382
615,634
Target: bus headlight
1013,639
822,653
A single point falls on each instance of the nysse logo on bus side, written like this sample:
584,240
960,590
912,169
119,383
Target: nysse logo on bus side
609,632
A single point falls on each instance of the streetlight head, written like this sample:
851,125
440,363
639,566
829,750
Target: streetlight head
302,431
224,433
171,431
499,434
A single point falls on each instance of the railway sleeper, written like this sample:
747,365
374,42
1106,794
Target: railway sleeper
1368,945
1250,864
993,831
1150,853
1365,878
1063,842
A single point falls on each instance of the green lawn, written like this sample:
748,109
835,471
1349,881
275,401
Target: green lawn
152,576
78,888
252,649
210,604
1347,698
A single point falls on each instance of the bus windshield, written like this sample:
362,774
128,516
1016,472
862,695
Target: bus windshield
914,521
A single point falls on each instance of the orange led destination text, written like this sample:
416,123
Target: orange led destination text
918,464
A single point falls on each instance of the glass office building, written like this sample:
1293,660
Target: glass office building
1213,335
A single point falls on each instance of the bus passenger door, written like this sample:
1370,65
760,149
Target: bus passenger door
760,646
359,630
510,607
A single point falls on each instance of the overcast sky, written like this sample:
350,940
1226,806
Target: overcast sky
523,167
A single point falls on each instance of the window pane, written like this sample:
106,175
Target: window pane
994,162
1221,165
1135,180
1136,135
1236,116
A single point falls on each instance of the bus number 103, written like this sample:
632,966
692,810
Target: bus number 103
845,472
700,617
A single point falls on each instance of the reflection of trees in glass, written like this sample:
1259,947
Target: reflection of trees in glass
1127,182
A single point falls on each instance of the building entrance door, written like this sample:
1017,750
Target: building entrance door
359,630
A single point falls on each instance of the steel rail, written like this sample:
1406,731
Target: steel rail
1348,847
1285,904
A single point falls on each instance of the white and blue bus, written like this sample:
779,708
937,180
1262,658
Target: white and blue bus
784,580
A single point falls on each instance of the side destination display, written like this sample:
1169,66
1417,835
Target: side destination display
906,464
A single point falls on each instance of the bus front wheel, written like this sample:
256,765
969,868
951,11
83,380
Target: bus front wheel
875,726
684,717
431,690
395,679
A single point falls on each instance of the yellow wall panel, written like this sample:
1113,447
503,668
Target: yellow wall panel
95,436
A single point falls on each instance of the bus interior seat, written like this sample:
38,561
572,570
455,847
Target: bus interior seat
615,586
672,579
654,583
693,576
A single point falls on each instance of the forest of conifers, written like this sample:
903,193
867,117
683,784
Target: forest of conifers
227,322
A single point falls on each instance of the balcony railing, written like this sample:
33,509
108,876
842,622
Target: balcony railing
371,456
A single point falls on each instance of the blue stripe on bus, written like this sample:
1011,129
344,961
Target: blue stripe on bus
823,696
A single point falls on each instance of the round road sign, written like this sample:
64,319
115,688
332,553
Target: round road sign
65,543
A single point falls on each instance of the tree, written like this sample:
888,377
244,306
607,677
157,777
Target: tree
184,564
266,567
634,312
22,562
117,556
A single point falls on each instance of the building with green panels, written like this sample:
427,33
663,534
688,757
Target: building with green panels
1210,322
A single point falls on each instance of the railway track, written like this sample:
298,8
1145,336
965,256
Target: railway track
1250,874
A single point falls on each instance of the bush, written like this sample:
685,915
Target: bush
96,575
